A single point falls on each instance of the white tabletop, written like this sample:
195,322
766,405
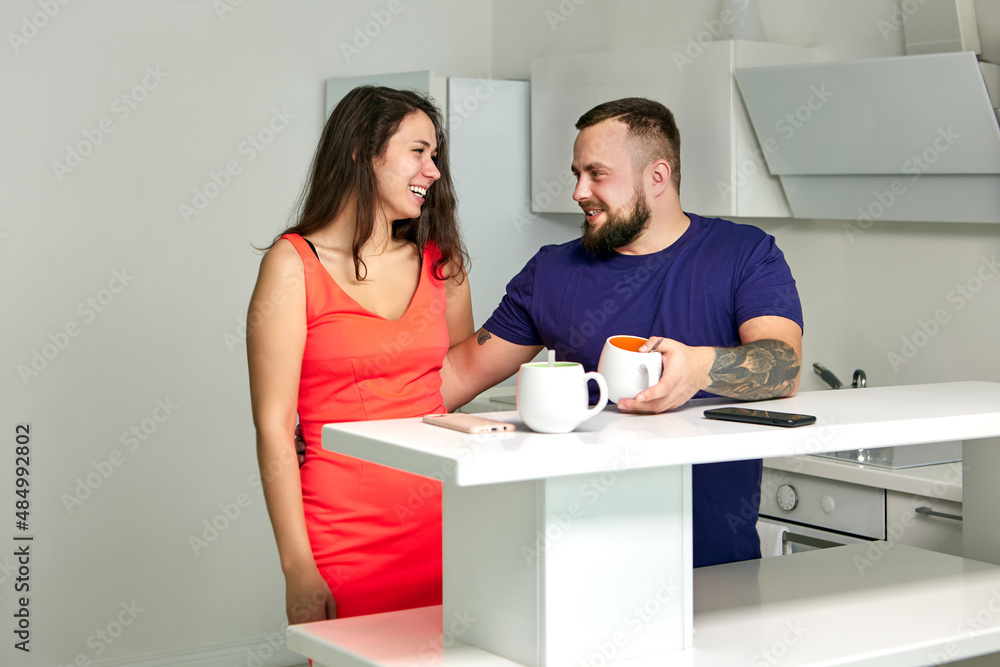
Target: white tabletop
873,417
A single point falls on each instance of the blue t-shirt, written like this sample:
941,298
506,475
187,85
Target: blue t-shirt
698,291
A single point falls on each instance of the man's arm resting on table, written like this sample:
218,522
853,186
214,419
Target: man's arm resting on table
754,371
479,362
766,365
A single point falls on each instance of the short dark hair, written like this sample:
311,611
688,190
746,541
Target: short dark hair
651,127
356,134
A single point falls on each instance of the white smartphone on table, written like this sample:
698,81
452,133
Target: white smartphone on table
466,423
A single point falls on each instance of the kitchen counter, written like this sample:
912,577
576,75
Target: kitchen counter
529,517
942,481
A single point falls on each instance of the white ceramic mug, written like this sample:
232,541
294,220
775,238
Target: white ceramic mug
554,399
627,370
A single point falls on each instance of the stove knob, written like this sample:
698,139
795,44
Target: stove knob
787,497
827,504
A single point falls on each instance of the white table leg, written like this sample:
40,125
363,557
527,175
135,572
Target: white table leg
571,571
980,500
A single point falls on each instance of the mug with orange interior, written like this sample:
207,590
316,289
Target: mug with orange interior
627,370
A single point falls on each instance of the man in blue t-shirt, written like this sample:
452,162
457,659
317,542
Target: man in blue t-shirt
716,299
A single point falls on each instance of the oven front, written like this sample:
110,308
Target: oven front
815,513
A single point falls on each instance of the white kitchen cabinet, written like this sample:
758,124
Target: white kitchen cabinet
723,169
935,533
878,145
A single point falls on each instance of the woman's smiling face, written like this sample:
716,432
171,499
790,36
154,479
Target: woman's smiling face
406,170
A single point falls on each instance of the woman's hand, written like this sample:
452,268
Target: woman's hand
308,598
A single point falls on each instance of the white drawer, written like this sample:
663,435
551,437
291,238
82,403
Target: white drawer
936,533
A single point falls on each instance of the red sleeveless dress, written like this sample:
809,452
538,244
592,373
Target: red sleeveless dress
375,531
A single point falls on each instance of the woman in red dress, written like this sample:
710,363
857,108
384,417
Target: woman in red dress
354,309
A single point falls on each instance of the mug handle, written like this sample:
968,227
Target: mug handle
654,368
602,386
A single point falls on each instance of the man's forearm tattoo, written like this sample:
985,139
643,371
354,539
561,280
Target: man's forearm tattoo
483,336
757,370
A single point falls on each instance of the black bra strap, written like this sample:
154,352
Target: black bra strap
311,246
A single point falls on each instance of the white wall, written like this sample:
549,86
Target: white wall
170,329
862,293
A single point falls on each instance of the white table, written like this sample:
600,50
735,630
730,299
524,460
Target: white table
575,549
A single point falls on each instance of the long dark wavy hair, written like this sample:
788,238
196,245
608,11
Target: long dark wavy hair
356,135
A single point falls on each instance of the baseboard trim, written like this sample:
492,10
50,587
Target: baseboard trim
265,651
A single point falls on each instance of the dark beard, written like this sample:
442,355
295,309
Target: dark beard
619,229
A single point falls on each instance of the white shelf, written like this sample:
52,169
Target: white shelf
861,604
875,605
409,638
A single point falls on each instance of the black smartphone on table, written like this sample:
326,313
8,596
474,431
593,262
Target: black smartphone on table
767,417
